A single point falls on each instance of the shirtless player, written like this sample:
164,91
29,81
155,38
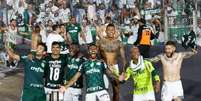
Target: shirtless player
172,87
110,47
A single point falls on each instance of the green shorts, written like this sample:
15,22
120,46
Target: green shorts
33,94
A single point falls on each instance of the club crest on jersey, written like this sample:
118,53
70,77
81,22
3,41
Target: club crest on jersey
43,65
98,63
77,60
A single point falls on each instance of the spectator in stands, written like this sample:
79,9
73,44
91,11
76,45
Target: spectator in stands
145,35
53,37
73,29
36,38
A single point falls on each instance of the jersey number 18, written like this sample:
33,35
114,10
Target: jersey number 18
54,74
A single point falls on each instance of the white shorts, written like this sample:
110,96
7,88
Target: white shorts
73,94
171,90
101,95
53,94
144,97
106,81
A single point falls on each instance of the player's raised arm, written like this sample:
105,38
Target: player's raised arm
12,54
189,54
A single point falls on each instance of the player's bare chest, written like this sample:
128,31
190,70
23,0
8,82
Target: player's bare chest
109,46
174,61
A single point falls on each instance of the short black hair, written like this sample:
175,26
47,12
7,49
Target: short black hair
110,25
142,20
43,45
56,43
172,43
54,27
92,44
12,20
49,20
108,18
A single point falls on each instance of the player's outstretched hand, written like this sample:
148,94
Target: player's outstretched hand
194,51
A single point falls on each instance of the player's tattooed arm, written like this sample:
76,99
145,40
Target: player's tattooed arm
122,52
189,54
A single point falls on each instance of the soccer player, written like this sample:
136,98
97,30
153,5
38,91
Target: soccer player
142,73
110,47
73,30
54,72
74,61
33,89
172,86
93,69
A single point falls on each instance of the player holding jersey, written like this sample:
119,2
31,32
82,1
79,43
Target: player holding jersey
75,59
93,69
54,72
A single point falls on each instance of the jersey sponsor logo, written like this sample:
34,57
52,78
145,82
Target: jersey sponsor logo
73,31
37,69
143,89
53,85
55,64
36,85
73,66
43,64
94,88
93,70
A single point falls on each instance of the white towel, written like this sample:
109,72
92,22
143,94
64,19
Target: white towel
139,65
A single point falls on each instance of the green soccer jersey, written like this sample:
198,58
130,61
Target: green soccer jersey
93,71
142,78
72,68
74,31
54,71
33,72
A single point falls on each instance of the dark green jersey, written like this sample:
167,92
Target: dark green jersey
73,31
33,72
54,71
93,71
72,68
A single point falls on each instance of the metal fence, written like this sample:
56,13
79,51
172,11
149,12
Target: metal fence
178,26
